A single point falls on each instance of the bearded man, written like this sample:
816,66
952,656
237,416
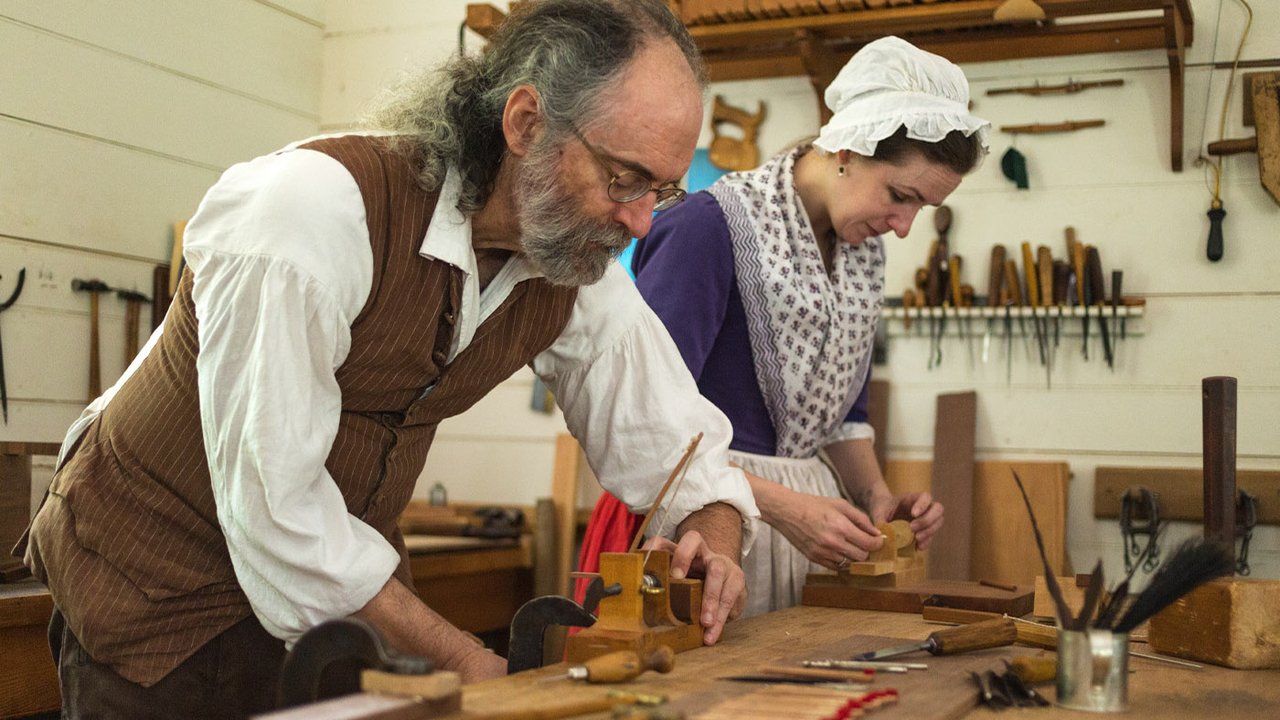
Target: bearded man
241,483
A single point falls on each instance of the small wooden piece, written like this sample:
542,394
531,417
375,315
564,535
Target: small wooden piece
1229,622
644,614
896,563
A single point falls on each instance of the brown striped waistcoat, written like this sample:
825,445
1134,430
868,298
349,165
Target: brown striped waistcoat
128,539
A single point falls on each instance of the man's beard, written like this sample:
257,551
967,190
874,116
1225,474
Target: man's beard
565,245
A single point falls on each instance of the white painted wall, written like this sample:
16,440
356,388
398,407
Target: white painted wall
116,116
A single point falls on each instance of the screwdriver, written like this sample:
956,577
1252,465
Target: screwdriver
620,666
997,632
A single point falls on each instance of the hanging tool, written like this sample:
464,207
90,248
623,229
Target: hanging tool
1117,279
997,632
1067,88
94,288
1014,285
1061,292
1033,301
995,282
1045,128
4,391
1098,297
1082,285
620,666
957,295
132,312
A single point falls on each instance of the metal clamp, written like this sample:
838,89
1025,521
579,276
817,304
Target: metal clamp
1246,519
1140,515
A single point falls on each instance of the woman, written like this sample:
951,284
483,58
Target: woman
771,283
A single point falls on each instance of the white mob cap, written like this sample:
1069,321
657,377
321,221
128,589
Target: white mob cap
890,83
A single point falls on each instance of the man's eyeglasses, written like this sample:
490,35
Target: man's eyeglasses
629,185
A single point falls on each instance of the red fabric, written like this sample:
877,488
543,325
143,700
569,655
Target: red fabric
610,529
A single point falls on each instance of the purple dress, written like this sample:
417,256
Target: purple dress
685,271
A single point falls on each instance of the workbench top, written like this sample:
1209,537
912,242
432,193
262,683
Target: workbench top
942,692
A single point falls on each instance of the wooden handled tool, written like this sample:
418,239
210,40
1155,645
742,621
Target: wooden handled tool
1097,296
94,288
621,666
950,641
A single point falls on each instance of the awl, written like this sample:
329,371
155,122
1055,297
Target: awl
949,641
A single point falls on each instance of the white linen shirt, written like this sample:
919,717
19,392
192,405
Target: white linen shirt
283,265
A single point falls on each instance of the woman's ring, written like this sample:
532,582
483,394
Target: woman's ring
844,563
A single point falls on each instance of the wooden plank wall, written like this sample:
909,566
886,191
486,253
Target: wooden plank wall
115,117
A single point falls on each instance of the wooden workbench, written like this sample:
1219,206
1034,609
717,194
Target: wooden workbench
475,583
943,691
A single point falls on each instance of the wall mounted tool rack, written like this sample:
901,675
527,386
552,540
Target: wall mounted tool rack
1132,315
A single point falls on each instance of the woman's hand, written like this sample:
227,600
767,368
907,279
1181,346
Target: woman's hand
829,531
918,508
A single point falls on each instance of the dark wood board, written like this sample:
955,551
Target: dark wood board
911,599
952,484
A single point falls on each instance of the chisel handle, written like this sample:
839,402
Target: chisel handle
627,665
1011,282
1035,670
1097,287
1077,263
1044,264
953,277
976,636
995,276
1214,250
1029,271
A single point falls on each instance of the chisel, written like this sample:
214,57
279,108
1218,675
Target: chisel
950,641
1098,297
1033,295
1082,285
995,281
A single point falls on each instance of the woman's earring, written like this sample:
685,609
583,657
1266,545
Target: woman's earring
840,170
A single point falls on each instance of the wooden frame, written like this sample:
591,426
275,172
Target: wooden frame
812,39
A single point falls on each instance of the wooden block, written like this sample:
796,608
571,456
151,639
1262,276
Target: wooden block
1229,622
1044,606
1004,546
913,598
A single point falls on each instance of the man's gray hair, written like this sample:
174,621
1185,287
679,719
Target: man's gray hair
570,51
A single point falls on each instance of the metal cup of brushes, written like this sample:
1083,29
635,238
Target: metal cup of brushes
1093,645
1093,670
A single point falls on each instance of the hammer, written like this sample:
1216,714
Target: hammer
93,287
133,306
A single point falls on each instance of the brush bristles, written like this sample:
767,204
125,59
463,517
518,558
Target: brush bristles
1196,562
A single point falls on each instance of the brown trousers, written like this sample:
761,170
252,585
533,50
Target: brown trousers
232,676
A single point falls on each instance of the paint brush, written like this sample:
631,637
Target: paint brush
1050,579
1196,562
1091,597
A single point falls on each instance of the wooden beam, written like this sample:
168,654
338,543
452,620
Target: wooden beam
1176,46
1181,491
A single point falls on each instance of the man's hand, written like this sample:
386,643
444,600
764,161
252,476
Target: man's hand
723,582
918,508
480,665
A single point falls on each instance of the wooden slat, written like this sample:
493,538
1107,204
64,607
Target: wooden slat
878,416
952,484
1181,491
1004,548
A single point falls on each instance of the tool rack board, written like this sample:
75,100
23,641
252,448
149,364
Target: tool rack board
942,692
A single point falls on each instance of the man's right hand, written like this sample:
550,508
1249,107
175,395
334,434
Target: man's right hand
829,531
480,665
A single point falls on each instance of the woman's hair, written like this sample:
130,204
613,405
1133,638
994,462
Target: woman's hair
570,51
956,151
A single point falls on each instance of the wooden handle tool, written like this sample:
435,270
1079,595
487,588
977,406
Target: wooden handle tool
621,666
995,276
1029,272
1044,266
950,641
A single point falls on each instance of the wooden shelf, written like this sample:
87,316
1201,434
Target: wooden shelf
745,39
